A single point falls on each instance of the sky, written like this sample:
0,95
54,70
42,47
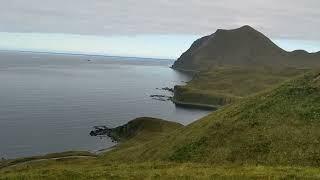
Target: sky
150,28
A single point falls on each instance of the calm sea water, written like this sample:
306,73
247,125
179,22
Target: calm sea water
50,102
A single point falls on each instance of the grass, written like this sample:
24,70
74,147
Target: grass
273,134
143,128
278,127
222,85
97,169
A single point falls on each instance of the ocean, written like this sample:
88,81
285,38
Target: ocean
50,102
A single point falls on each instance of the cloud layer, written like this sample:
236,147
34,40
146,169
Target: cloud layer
293,19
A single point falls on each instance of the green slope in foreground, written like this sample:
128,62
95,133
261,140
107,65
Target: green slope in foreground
273,134
279,127
84,169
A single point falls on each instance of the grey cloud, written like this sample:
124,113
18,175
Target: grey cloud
278,18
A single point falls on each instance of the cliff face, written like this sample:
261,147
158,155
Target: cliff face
241,47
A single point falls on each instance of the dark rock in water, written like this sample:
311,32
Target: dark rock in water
157,96
161,97
168,89
100,131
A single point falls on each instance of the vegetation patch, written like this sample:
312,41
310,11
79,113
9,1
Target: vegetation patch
190,150
223,85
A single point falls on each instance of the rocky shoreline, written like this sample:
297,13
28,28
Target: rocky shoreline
172,98
131,129
123,132
101,131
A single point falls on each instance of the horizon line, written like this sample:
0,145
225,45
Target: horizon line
82,54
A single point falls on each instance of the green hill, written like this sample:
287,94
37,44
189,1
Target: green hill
223,85
142,128
233,64
244,46
279,127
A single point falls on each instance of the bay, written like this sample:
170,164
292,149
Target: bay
50,102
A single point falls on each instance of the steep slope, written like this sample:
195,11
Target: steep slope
279,127
242,47
223,85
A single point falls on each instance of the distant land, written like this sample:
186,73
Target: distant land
244,46
84,54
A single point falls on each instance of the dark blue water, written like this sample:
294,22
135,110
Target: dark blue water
49,102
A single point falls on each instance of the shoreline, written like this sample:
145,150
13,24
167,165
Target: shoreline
190,104
194,105
107,149
185,70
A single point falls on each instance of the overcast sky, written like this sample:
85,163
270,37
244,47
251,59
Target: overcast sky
286,19
278,18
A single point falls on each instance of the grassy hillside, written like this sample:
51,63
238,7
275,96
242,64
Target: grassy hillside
279,127
143,128
274,134
222,85
232,64
84,169
142,131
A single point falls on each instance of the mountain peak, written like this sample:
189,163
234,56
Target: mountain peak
239,46
245,28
